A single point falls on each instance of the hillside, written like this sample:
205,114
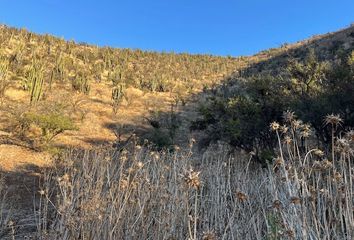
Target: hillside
63,105
78,80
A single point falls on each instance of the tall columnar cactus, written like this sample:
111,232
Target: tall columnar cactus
59,68
117,95
81,84
4,66
35,79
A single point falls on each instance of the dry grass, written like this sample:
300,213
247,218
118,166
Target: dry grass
137,193
140,194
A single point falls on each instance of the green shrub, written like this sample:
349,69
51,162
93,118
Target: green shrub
50,124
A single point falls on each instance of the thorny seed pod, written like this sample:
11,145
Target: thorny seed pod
287,139
191,178
318,153
334,120
343,146
306,131
277,204
66,178
209,235
278,161
350,136
326,164
284,129
295,200
337,177
289,116
296,124
274,126
316,166
139,165
241,196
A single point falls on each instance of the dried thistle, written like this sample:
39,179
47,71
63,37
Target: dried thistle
350,136
319,153
241,196
305,131
296,124
274,126
289,116
284,129
277,204
316,166
278,161
287,139
209,235
295,200
191,178
334,120
326,164
343,146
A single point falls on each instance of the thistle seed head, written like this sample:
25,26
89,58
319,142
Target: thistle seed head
191,178
241,196
274,126
289,116
334,120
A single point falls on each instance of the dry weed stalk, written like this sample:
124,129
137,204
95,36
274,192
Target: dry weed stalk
142,194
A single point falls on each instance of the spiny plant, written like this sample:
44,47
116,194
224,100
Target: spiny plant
34,81
4,83
59,68
117,96
81,84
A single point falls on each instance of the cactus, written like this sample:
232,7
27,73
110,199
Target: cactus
4,66
117,95
59,68
37,86
81,84
34,81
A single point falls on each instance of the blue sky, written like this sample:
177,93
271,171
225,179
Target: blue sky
220,27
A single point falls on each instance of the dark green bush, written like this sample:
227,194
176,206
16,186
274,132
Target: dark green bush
311,88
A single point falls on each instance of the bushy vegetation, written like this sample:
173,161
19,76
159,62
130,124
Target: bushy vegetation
310,87
51,124
164,128
40,125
